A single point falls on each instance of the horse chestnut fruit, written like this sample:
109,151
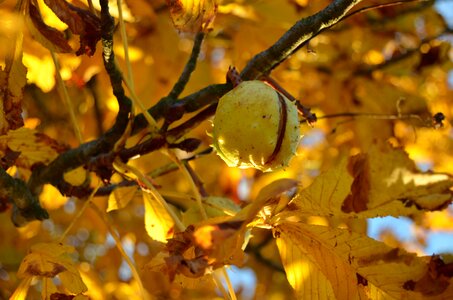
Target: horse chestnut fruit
255,126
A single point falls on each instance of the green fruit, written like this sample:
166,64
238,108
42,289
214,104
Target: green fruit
256,127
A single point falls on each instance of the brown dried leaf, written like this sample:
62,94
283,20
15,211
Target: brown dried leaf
222,243
49,37
192,15
435,281
12,82
80,22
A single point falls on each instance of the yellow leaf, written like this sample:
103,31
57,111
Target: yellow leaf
303,275
75,177
381,182
51,198
355,264
41,70
21,291
49,260
158,223
34,147
214,207
269,193
192,15
120,197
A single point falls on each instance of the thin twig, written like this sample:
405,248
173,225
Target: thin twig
377,6
66,99
301,32
189,68
74,158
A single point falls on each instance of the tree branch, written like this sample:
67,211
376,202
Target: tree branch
264,62
26,205
71,159
189,68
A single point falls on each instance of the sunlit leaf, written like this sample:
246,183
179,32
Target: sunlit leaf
214,207
192,15
49,37
80,22
120,197
158,223
352,262
268,194
49,260
51,199
34,147
222,243
75,177
356,187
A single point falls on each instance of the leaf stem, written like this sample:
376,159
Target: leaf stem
190,180
66,99
79,214
122,168
130,75
108,223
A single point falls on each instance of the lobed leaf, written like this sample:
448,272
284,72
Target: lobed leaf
33,147
49,260
355,266
381,182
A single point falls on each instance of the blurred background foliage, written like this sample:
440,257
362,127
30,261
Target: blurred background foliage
389,61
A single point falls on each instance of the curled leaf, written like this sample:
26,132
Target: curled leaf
192,15
80,22
47,36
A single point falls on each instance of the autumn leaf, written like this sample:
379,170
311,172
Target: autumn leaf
268,195
47,36
192,15
214,207
12,82
49,260
120,197
158,223
381,182
80,22
34,147
352,265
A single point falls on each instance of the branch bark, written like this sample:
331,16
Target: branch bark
264,62
53,173
261,64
